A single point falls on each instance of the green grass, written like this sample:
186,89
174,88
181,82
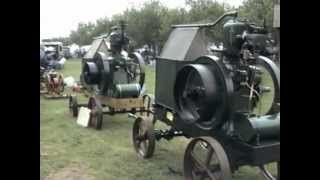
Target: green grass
108,154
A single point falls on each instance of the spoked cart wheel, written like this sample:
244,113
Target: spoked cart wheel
268,175
206,159
96,114
143,137
73,105
147,103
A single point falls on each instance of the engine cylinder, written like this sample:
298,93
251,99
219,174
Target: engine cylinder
127,90
232,34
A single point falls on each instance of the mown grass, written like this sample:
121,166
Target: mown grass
108,154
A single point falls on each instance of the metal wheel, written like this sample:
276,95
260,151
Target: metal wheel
265,170
269,88
143,138
147,103
47,82
73,106
96,115
137,68
204,159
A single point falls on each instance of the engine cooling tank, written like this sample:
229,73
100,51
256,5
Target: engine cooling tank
127,90
266,127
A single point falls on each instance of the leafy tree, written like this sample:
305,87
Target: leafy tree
257,10
84,33
207,11
151,23
145,24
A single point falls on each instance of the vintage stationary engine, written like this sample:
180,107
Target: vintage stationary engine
113,74
213,94
51,83
112,78
229,105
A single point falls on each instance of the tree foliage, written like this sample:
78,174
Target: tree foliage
257,11
150,23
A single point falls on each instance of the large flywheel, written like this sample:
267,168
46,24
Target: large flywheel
137,68
203,96
97,72
269,87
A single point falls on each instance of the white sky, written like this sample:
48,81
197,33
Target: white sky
59,17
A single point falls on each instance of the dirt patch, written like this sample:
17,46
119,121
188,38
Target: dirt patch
70,173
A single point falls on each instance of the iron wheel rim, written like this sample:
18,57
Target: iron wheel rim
143,138
73,106
70,103
195,168
266,172
96,115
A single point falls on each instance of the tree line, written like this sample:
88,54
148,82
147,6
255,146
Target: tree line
150,23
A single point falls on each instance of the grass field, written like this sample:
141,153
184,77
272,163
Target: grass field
71,152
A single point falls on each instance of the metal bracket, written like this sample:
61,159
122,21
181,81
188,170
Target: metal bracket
167,134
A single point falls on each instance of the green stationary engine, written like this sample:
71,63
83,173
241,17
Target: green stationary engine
229,104
115,74
112,78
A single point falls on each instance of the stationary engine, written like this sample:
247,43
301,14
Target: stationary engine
112,78
236,94
228,105
112,73
51,82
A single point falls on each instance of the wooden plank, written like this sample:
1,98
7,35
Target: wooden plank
126,103
55,96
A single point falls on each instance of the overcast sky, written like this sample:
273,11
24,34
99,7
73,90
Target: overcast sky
59,17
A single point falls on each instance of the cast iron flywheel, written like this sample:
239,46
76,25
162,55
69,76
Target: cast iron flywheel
203,96
137,68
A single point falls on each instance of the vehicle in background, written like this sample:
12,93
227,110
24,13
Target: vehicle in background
54,54
66,52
